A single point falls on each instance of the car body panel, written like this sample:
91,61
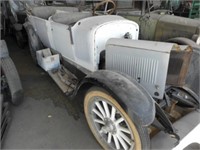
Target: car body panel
145,61
68,40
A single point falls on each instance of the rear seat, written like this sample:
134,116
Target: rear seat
45,12
69,17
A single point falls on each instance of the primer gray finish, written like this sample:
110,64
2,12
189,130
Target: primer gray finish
145,61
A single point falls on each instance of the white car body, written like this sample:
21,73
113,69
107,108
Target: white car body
191,138
83,42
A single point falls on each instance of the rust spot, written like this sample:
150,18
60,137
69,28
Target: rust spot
178,66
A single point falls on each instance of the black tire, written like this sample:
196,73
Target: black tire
32,51
13,80
33,40
21,42
128,133
4,49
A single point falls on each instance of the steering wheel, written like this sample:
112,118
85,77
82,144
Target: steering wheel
105,4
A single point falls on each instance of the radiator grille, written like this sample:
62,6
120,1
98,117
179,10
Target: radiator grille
143,69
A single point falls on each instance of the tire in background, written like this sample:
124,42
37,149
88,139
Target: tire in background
13,80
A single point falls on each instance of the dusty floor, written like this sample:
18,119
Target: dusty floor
36,82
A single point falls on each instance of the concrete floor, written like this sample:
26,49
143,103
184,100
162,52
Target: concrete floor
48,120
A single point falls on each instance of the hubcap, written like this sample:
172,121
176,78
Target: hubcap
111,125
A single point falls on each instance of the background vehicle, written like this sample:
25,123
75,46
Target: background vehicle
128,85
159,24
13,17
158,20
5,118
11,89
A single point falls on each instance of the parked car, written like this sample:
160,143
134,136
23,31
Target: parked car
11,89
5,118
14,15
126,85
159,24
158,20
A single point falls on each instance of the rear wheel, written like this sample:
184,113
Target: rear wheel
110,123
33,40
20,39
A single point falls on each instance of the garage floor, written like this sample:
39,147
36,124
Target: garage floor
48,120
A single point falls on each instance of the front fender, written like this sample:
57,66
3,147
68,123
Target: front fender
132,97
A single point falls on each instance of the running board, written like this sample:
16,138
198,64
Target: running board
66,89
64,79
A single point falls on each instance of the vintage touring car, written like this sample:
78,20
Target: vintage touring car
128,86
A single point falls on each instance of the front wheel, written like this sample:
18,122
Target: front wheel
110,123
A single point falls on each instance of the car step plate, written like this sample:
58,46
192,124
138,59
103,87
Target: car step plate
66,87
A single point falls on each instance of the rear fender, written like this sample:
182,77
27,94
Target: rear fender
34,39
132,97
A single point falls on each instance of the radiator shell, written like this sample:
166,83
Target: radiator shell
145,61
